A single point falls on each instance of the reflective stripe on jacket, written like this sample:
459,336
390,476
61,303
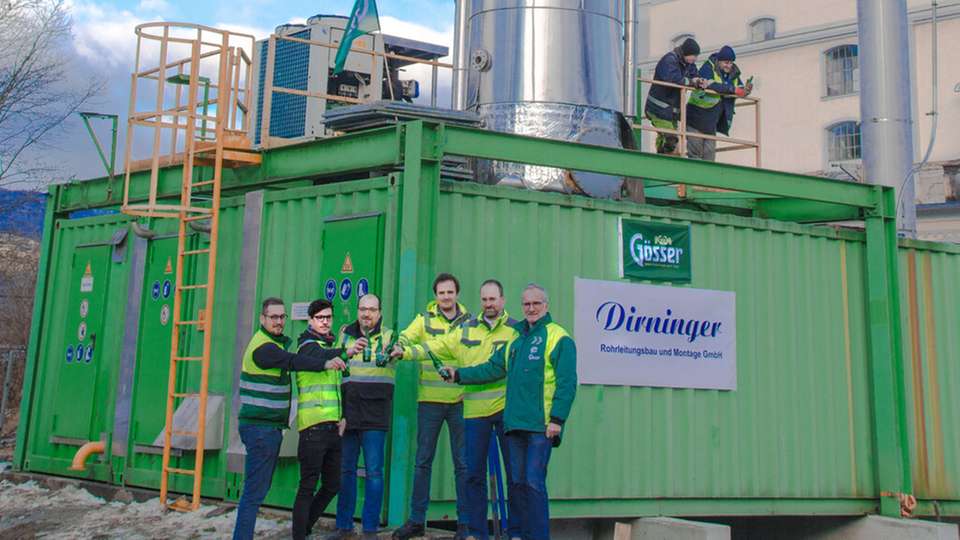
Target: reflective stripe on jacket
432,324
264,393
318,394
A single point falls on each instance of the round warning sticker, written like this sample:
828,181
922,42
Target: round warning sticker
346,287
330,290
155,290
164,314
89,356
69,353
84,308
79,352
82,331
167,287
363,287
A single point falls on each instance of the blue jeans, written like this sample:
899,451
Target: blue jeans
430,417
478,432
372,442
263,449
529,455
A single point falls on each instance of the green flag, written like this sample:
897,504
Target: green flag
363,20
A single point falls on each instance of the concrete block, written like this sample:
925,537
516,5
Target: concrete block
664,528
885,528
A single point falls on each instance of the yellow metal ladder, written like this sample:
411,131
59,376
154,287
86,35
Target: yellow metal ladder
211,140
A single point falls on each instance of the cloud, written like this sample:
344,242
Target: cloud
103,34
154,6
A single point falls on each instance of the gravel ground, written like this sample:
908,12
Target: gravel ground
29,510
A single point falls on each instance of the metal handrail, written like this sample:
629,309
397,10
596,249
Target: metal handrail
683,134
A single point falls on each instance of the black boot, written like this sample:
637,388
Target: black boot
409,530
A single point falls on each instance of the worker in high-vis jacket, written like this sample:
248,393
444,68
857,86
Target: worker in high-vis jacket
712,112
438,401
320,421
265,405
539,362
471,344
367,398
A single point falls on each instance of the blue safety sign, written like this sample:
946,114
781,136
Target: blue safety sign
155,291
69,353
345,289
166,288
89,356
80,352
363,287
330,290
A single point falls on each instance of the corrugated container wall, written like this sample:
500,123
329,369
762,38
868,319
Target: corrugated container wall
798,428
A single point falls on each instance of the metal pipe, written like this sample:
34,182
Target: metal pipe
458,100
631,49
886,121
85,451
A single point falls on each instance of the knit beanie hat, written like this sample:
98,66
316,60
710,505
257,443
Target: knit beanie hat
726,53
689,46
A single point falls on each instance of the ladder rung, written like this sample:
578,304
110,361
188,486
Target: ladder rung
185,323
180,471
196,251
197,218
188,358
204,183
186,433
186,394
197,286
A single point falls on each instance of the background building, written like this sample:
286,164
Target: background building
804,59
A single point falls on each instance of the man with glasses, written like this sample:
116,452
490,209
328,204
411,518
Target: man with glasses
319,421
367,394
540,365
265,405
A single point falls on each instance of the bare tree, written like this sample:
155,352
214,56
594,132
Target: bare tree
35,95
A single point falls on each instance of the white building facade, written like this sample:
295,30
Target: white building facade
804,60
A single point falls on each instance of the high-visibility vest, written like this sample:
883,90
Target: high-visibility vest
368,372
429,325
318,397
264,393
471,344
704,100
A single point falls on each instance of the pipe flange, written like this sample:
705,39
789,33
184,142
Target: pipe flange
480,60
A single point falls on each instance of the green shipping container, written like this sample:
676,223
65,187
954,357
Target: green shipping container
848,362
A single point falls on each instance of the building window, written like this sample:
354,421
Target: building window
677,41
843,142
842,71
763,29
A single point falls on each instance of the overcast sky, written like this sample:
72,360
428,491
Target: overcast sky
104,44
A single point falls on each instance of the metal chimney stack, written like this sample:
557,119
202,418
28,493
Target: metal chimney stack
886,127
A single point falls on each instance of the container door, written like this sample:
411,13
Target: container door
152,364
77,419
352,262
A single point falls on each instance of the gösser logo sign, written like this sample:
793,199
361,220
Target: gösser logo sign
654,251
653,335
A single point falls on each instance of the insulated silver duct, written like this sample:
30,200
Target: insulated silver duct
547,68
631,52
886,126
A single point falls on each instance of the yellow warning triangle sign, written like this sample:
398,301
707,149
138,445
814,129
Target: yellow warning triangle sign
347,267
169,268
88,271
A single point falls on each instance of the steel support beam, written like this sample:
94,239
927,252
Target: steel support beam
419,197
886,368
462,141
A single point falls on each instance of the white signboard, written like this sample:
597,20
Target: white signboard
650,335
298,311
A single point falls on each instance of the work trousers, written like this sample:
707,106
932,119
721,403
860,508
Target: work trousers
430,418
478,432
263,448
318,453
371,441
529,455
697,148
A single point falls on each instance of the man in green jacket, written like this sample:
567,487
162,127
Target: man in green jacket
540,364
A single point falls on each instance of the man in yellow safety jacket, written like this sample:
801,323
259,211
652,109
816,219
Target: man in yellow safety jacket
439,401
